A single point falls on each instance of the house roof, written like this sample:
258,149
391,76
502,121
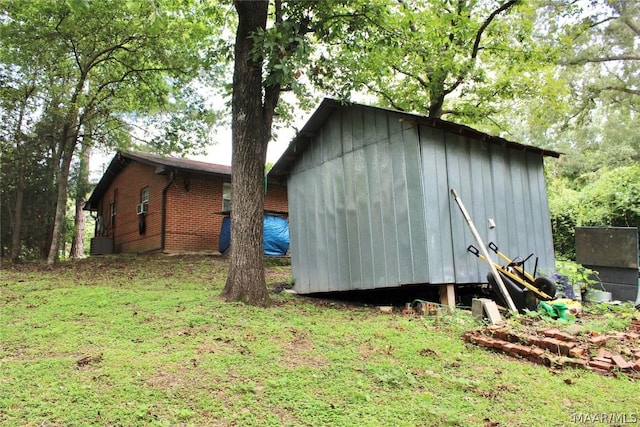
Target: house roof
328,106
162,165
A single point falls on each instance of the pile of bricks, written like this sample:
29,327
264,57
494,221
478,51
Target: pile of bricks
602,353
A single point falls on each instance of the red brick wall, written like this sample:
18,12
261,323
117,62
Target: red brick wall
275,198
125,192
193,219
193,206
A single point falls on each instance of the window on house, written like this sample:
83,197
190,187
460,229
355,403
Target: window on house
144,196
226,197
112,213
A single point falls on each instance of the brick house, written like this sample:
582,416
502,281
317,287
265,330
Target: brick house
149,203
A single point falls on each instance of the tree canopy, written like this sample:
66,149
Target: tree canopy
78,67
561,74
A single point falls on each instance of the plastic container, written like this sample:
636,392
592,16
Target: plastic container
595,295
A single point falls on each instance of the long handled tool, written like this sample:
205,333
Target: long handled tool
546,288
517,264
503,289
535,285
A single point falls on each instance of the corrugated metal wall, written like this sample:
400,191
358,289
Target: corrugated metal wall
369,204
494,182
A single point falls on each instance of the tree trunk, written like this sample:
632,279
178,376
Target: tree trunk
20,157
251,131
62,180
82,188
62,166
16,246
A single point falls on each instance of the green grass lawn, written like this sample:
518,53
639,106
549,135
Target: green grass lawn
162,348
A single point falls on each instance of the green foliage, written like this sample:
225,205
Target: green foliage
604,318
577,275
564,206
68,77
610,198
438,57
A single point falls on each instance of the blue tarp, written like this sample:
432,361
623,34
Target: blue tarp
275,239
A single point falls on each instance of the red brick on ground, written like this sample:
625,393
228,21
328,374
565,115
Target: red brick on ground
603,352
600,365
549,332
577,352
599,340
620,362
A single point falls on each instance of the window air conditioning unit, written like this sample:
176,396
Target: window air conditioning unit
141,208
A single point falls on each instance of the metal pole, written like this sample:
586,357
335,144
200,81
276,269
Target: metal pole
485,252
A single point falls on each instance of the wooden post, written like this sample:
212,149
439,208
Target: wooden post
448,296
485,253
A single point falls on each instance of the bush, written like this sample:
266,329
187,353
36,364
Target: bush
611,198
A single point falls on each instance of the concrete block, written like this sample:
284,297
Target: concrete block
477,308
484,306
491,310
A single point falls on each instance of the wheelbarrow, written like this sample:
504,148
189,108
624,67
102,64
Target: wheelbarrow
524,289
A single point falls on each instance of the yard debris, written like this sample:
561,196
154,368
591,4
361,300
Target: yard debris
427,352
556,349
89,359
419,308
424,307
484,306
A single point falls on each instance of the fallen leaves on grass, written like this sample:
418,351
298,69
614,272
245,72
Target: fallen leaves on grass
89,359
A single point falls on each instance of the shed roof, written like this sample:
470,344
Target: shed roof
328,106
162,164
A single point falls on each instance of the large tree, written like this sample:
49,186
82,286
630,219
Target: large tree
418,56
256,93
412,55
98,62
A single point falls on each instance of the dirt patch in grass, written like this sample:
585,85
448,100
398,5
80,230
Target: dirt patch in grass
300,351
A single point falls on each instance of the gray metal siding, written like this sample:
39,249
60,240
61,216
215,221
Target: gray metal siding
436,206
370,205
507,186
358,191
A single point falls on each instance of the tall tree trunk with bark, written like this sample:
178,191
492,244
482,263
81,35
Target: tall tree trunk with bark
82,188
252,108
20,158
62,166
16,246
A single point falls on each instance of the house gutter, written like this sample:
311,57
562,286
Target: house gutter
163,217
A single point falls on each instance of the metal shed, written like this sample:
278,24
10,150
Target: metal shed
370,205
